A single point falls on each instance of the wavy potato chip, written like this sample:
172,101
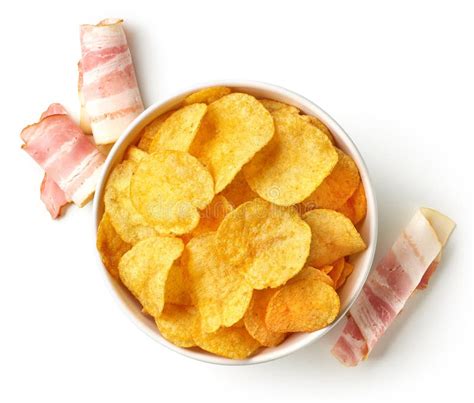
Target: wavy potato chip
355,208
144,270
337,187
212,215
234,128
176,324
309,272
231,342
238,191
254,319
168,188
178,131
320,125
272,106
348,269
333,236
110,246
206,95
293,164
150,131
219,290
268,243
336,272
127,221
302,306
177,289
135,154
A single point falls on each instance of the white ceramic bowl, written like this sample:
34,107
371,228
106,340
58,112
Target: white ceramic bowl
362,262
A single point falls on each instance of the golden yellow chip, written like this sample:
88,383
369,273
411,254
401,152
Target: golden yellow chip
127,221
254,319
348,269
178,131
238,191
234,128
302,306
311,272
355,208
206,95
150,131
338,186
110,246
273,106
336,272
176,324
135,154
293,164
320,125
177,289
268,243
333,236
231,342
144,269
168,188
212,215
219,290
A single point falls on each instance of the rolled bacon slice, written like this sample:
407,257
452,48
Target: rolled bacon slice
71,161
408,265
107,83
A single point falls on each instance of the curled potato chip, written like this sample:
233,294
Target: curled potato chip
254,319
273,106
238,191
337,187
336,272
333,236
167,189
320,125
150,131
355,208
234,128
219,290
268,243
177,289
176,324
144,270
348,269
311,272
110,246
135,154
127,221
212,215
231,342
206,95
293,164
178,131
326,269
302,306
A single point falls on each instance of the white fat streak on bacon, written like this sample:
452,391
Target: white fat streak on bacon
393,281
110,69
84,121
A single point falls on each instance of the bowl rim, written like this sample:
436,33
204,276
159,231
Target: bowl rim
334,126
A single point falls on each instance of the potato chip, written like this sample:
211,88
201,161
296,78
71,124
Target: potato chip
231,342
238,191
150,131
177,289
254,319
268,243
176,324
326,269
178,131
219,290
110,246
234,128
348,269
302,306
135,154
144,270
337,187
320,125
273,106
355,208
293,164
168,188
206,95
336,272
127,221
212,215
333,237
311,272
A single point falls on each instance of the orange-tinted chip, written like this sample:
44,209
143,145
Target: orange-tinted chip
355,208
177,289
309,272
176,324
238,191
348,269
212,215
336,272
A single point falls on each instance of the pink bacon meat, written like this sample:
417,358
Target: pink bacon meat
107,83
72,163
407,266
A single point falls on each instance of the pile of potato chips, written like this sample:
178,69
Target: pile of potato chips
231,222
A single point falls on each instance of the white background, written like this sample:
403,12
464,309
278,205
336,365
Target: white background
398,78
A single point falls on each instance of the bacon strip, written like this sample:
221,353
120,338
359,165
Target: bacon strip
71,161
408,265
107,81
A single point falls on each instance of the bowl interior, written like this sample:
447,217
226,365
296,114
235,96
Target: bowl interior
368,229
